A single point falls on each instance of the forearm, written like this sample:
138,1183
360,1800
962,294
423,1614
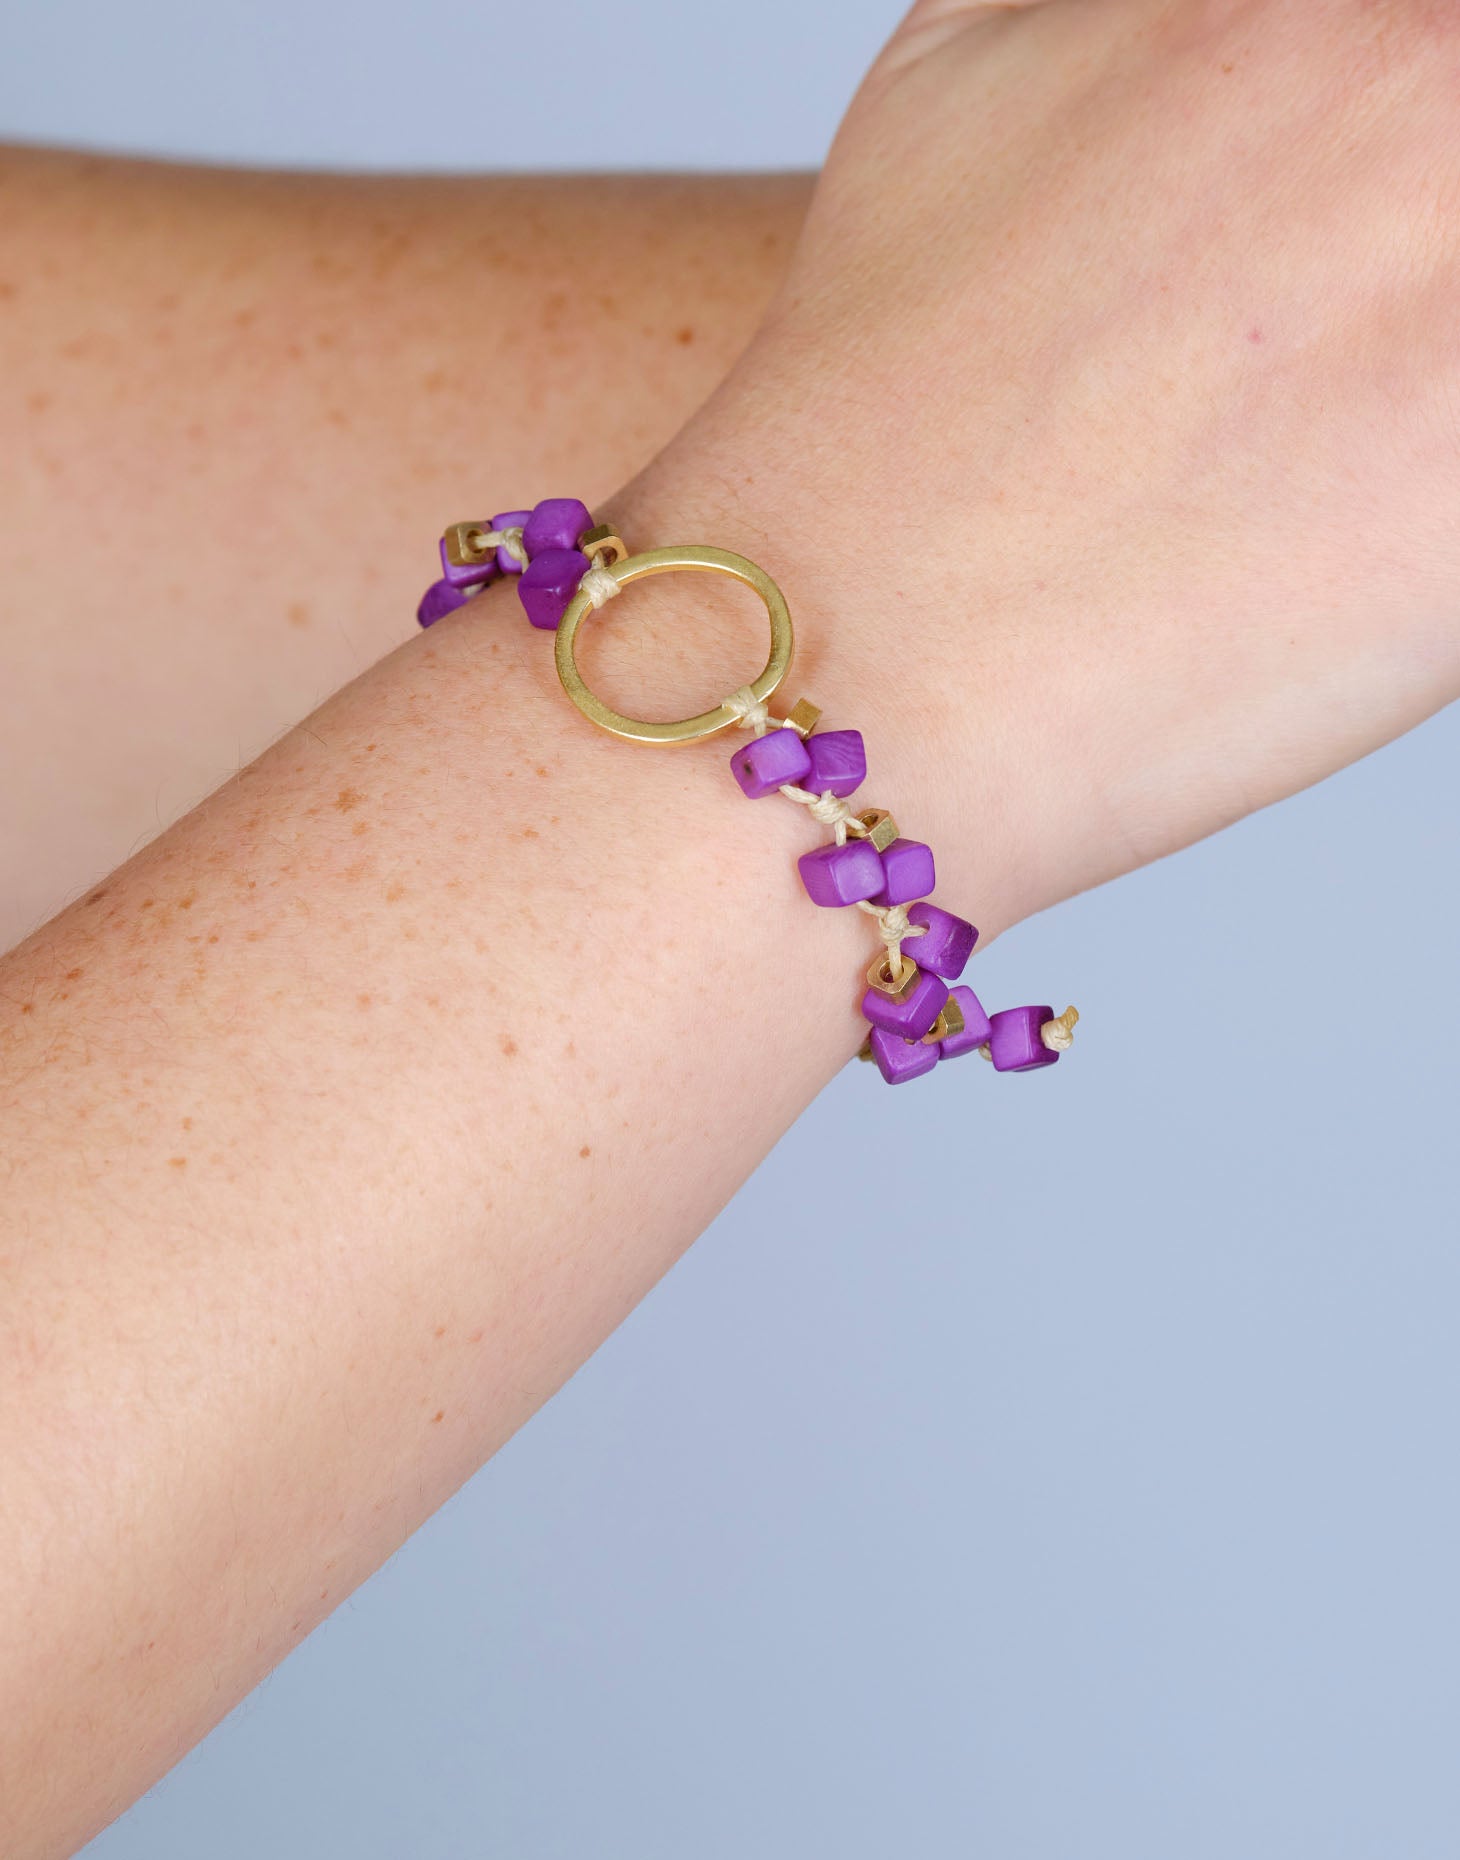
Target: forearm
236,407
346,1120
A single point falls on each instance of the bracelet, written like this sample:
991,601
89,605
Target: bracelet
567,567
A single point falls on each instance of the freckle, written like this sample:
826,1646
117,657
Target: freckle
297,614
570,1049
552,820
1254,334
187,1123
440,1415
348,798
369,747
434,382
363,1001
508,1046
1228,69
213,938
475,1337
187,903
27,1007
147,903
440,1330
38,401
97,896
253,936
542,771
684,337
244,319
433,1000
585,1151
360,826
177,1162
74,975
530,833
7,290
394,893
323,1594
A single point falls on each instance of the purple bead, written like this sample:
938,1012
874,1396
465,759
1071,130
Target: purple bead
555,523
976,1025
467,574
510,520
441,598
1014,1042
907,867
946,944
761,766
899,1059
915,1016
838,763
549,582
841,874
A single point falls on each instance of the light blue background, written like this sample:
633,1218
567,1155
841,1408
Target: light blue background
1056,1468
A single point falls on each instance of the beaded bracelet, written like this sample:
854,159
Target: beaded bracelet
568,567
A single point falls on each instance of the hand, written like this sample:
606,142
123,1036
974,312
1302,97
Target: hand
1115,397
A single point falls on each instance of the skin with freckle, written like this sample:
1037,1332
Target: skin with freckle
1134,575
285,353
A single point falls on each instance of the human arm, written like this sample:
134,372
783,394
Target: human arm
1092,622
236,406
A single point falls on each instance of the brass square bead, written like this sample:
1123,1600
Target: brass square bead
879,976
803,716
603,540
466,546
875,824
949,1022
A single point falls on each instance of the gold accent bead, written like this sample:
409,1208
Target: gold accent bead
896,988
864,1051
949,1022
875,824
465,545
603,540
803,716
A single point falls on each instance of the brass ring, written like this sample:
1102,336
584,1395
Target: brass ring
664,562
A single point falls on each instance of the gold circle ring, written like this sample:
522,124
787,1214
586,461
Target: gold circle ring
699,556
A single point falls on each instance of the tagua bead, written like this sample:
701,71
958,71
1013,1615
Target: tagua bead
555,523
461,571
1014,1039
838,763
835,875
976,1025
907,873
764,764
899,1060
440,599
549,582
915,1013
946,943
509,520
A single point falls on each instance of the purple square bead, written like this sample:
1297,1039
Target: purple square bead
907,867
510,520
555,523
549,582
838,763
946,943
976,1026
913,1017
440,599
841,874
899,1060
762,765
467,574
1014,1042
